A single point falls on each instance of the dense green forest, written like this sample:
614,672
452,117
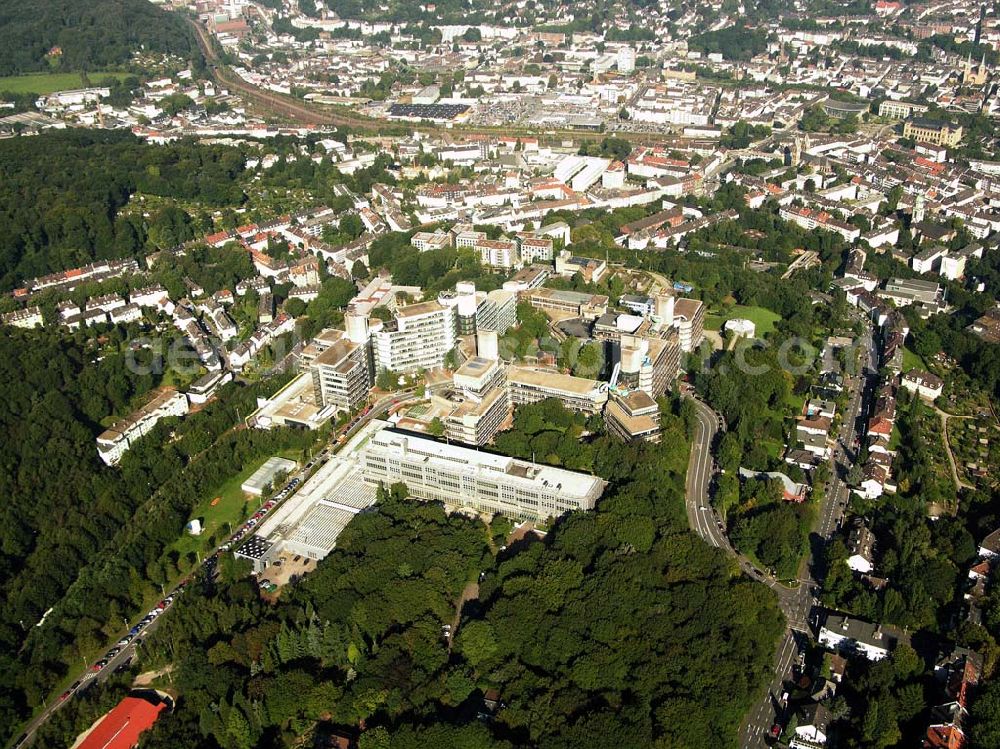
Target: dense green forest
89,540
619,623
61,193
732,42
91,34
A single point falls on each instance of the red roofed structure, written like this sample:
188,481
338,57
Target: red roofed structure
120,729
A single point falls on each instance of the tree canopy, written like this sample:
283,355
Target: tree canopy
86,34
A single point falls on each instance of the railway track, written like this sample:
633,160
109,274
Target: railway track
306,114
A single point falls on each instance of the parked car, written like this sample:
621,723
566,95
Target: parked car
775,731
123,665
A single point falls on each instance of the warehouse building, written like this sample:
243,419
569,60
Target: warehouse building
264,476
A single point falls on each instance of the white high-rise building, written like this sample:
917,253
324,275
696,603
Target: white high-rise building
420,337
340,375
626,60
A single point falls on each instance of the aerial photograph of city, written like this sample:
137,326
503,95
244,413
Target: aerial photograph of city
533,374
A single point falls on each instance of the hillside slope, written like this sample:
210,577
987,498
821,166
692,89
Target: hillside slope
91,34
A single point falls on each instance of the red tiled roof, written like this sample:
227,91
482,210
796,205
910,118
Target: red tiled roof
880,426
944,737
120,729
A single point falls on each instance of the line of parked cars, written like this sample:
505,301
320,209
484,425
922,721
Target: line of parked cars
208,565
134,632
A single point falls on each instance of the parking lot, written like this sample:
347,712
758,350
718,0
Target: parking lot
285,567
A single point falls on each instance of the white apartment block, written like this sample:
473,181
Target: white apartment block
340,375
536,250
419,337
498,311
498,253
113,443
426,240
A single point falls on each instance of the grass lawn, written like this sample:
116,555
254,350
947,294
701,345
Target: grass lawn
763,318
912,361
796,402
233,507
46,83
774,448
895,439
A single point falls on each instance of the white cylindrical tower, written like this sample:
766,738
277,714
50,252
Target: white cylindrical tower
631,359
467,305
663,308
357,326
488,344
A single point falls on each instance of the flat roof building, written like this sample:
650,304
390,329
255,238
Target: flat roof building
497,311
420,337
533,384
309,522
689,319
633,417
464,477
264,476
904,291
293,406
341,375
589,306
648,363
475,421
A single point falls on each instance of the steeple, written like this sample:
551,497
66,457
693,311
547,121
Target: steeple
918,209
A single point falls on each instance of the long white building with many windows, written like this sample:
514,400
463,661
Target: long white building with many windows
465,477
113,443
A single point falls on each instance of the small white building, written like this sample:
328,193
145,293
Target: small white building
741,327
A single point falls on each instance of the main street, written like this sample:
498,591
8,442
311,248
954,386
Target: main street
702,518
795,601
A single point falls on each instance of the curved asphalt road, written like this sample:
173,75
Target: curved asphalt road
796,602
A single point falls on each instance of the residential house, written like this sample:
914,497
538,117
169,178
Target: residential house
861,545
928,386
857,637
